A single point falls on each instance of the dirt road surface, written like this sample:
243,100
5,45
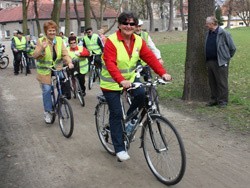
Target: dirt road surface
33,155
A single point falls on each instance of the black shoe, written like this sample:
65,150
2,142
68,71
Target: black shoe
212,103
28,72
222,105
16,73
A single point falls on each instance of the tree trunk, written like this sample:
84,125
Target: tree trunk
55,15
37,18
151,17
78,19
25,5
196,82
182,16
171,16
86,4
67,19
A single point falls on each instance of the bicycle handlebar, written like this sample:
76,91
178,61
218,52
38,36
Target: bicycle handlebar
55,70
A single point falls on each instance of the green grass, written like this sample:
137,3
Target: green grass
237,115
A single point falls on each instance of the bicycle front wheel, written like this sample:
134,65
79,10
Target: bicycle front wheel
102,127
79,93
164,150
65,117
4,62
91,76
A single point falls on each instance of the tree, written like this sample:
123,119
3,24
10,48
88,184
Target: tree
183,24
228,5
25,5
150,13
86,4
242,9
218,15
196,82
171,15
37,17
78,19
67,19
55,15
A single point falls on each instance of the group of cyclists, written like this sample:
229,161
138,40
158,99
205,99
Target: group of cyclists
117,59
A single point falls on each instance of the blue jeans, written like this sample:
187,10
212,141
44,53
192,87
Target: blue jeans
115,118
47,100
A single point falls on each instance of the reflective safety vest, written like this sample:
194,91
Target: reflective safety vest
47,60
20,44
144,36
92,44
83,61
31,48
125,64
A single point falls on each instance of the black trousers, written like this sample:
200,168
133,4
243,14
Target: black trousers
17,58
218,81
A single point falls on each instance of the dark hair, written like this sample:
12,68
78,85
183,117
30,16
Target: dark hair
72,38
88,28
124,16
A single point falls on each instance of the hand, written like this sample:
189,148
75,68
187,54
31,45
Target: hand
161,61
71,65
77,53
15,50
44,43
125,84
166,77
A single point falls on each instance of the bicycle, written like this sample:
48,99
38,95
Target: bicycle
75,85
4,59
61,106
94,73
162,145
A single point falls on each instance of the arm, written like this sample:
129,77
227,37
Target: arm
230,44
65,56
99,41
39,50
152,47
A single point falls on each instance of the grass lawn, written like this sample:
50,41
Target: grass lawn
237,114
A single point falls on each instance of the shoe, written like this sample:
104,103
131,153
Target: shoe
16,73
212,103
123,156
29,72
47,117
222,105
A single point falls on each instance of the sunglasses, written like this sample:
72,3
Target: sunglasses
72,42
131,24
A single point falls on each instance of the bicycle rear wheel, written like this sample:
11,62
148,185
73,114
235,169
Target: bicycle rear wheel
72,86
4,62
102,127
164,150
79,93
65,117
91,76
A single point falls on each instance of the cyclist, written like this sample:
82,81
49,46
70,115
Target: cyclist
122,51
19,45
145,36
31,45
78,55
65,39
50,51
94,44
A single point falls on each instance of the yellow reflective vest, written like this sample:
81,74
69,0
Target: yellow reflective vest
83,62
144,36
92,44
20,44
47,60
125,64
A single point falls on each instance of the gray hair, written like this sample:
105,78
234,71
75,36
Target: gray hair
212,19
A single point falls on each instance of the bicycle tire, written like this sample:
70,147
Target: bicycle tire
102,127
53,107
91,76
4,62
72,86
21,67
155,100
168,161
65,117
24,63
79,92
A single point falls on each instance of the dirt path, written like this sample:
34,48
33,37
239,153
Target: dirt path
33,155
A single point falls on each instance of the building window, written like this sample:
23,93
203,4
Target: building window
82,29
241,23
7,33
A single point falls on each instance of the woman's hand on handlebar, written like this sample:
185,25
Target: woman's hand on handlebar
125,84
71,65
166,77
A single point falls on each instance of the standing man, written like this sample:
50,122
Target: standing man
65,39
94,44
219,49
19,46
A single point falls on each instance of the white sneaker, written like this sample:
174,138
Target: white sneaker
123,156
47,117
